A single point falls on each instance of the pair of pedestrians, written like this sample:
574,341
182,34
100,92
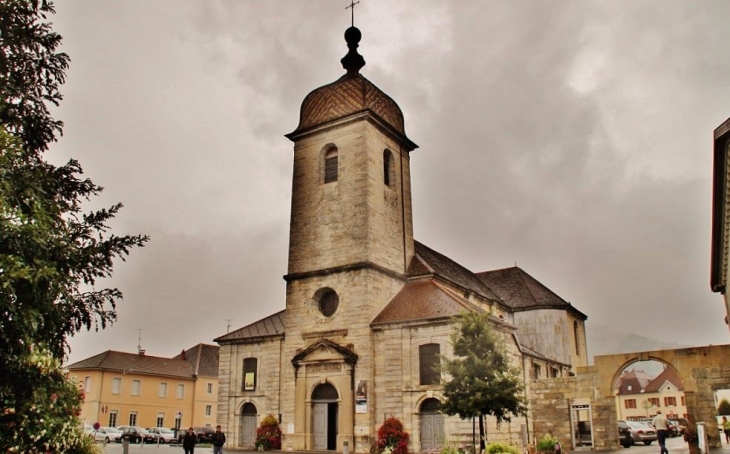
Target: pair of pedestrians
218,439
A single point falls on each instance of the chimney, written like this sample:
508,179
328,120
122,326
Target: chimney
141,352
182,355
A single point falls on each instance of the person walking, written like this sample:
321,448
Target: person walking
189,441
218,439
662,431
726,428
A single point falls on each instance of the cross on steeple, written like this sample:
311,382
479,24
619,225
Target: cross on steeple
352,7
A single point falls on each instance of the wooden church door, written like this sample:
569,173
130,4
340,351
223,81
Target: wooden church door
248,426
432,425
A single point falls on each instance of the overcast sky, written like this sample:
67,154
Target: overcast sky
571,138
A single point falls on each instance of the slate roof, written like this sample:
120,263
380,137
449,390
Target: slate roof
139,364
667,375
273,325
523,292
204,359
426,262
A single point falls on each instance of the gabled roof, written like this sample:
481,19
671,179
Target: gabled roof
637,380
523,292
668,375
139,364
204,359
273,325
423,300
427,262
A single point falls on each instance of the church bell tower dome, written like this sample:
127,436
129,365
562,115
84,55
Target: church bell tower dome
350,95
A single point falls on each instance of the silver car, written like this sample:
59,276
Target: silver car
163,434
641,432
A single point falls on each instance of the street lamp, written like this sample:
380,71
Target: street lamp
647,405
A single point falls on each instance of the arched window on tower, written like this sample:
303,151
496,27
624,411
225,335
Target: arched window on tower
388,171
330,165
576,334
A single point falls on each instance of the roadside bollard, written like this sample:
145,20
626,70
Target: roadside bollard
345,447
125,445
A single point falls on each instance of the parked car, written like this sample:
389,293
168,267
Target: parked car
163,434
106,434
682,423
673,428
641,432
136,434
624,435
203,433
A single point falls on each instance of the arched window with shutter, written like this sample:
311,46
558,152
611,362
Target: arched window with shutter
330,165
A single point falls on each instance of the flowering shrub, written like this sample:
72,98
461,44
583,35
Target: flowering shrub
392,439
45,420
268,434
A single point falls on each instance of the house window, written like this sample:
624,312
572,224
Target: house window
136,386
162,391
388,171
132,418
577,337
630,403
208,410
330,165
178,421
87,384
628,387
160,420
429,361
670,401
180,391
682,400
249,374
554,372
654,401
210,388
536,371
113,418
116,385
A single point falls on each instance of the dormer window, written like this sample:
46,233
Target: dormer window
330,165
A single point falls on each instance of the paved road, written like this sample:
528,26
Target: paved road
116,448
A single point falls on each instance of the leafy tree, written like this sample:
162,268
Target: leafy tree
482,379
51,252
723,409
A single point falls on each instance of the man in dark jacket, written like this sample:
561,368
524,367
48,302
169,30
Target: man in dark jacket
218,439
189,441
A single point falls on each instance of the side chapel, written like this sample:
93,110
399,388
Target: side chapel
368,308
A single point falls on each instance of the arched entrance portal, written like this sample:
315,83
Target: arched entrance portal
432,425
324,417
247,438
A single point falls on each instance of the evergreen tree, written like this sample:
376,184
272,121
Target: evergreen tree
482,380
51,252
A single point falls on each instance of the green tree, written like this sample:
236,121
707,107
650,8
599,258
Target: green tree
482,380
723,409
51,252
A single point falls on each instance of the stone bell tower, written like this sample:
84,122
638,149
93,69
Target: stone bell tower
350,241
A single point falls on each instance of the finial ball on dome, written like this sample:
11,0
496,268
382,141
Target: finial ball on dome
353,35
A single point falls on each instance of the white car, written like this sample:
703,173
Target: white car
164,434
106,434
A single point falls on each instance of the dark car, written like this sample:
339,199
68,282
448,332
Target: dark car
624,435
203,433
135,434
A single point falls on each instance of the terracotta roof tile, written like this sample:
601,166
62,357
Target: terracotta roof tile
272,325
422,300
667,375
204,358
636,379
139,364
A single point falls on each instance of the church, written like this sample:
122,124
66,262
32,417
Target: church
368,308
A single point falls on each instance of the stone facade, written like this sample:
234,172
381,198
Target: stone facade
364,300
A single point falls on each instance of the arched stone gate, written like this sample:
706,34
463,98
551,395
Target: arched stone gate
702,369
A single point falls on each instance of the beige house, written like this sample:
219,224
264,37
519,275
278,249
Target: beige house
368,308
641,396
149,391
